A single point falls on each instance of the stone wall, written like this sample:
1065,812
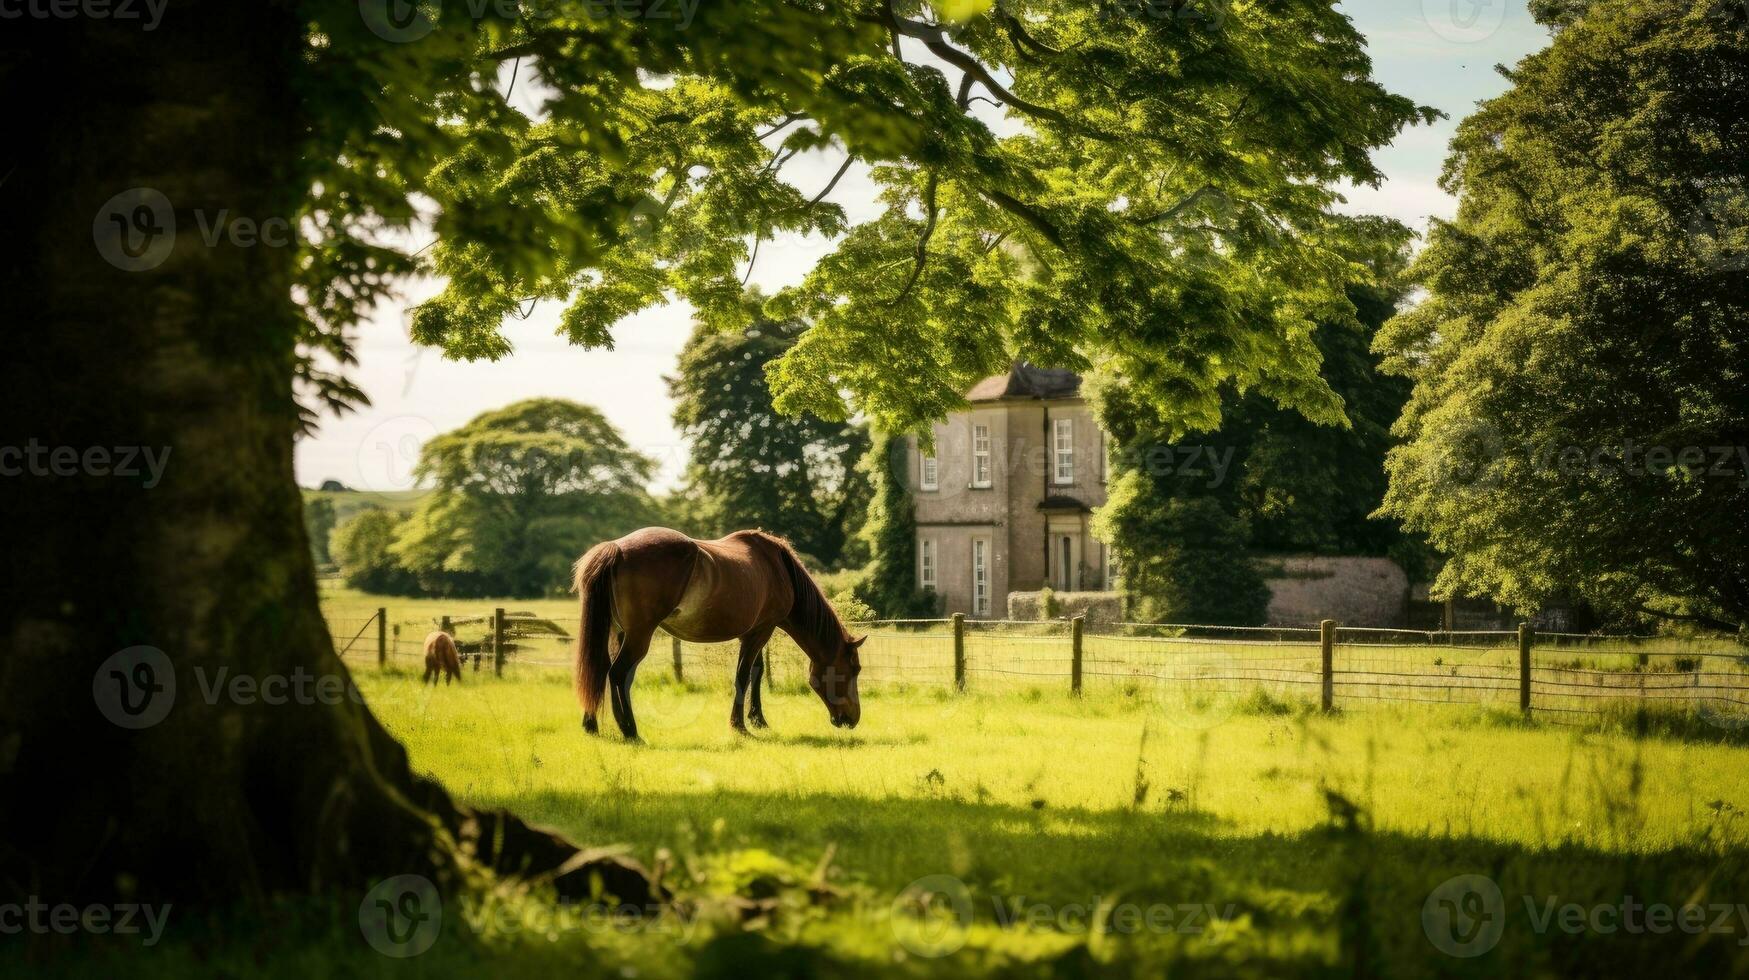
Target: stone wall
1354,591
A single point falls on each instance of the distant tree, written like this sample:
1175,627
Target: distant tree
753,466
334,486
319,524
889,583
518,494
1579,408
363,550
1272,480
1185,560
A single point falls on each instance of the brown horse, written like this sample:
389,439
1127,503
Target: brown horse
441,655
741,587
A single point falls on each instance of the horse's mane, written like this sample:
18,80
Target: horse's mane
812,613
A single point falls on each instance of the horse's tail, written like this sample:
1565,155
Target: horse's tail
594,584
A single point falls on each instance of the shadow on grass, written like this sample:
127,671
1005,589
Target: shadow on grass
1341,899
1337,901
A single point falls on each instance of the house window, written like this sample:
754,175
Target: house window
980,577
980,455
1110,569
1065,450
929,473
926,564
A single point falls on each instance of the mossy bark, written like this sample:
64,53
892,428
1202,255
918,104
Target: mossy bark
225,797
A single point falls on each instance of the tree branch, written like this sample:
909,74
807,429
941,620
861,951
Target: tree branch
848,160
1707,621
931,213
1179,208
1026,213
787,119
751,259
935,40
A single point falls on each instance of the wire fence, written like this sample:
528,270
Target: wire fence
1557,675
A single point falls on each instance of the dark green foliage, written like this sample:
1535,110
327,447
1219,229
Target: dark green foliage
1184,561
362,549
319,524
520,493
1269,479
1579,413
889,584
755,467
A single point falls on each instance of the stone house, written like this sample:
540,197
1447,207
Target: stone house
1004,502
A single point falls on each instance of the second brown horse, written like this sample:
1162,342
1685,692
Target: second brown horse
744,586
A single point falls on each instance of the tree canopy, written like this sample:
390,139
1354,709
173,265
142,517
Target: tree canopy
362,549
1578,415
753,466
1145,190
1067,182
1268,479
519,493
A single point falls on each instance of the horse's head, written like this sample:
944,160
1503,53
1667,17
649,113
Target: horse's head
833,678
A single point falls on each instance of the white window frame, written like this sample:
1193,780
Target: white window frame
1111,576
980,576
926,562
928,471
1063,448
981,456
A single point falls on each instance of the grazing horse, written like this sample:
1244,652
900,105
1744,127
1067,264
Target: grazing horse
741,587
441,655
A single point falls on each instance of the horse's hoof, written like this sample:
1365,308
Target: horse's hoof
590,726
738,728
757,722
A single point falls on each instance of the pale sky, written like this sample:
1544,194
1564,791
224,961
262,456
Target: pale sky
1438,52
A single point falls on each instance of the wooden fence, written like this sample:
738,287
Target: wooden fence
1553,674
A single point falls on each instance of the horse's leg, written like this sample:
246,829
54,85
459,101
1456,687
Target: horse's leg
756,711
632,648
751,644
590,725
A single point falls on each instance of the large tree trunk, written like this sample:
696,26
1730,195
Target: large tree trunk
193,358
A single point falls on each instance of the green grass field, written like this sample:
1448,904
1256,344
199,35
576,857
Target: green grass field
1014,830
1098,836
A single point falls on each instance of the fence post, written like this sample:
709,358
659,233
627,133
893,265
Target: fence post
1075,655
959,651
1526,635
1327,648
675,640
382,637
498,642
